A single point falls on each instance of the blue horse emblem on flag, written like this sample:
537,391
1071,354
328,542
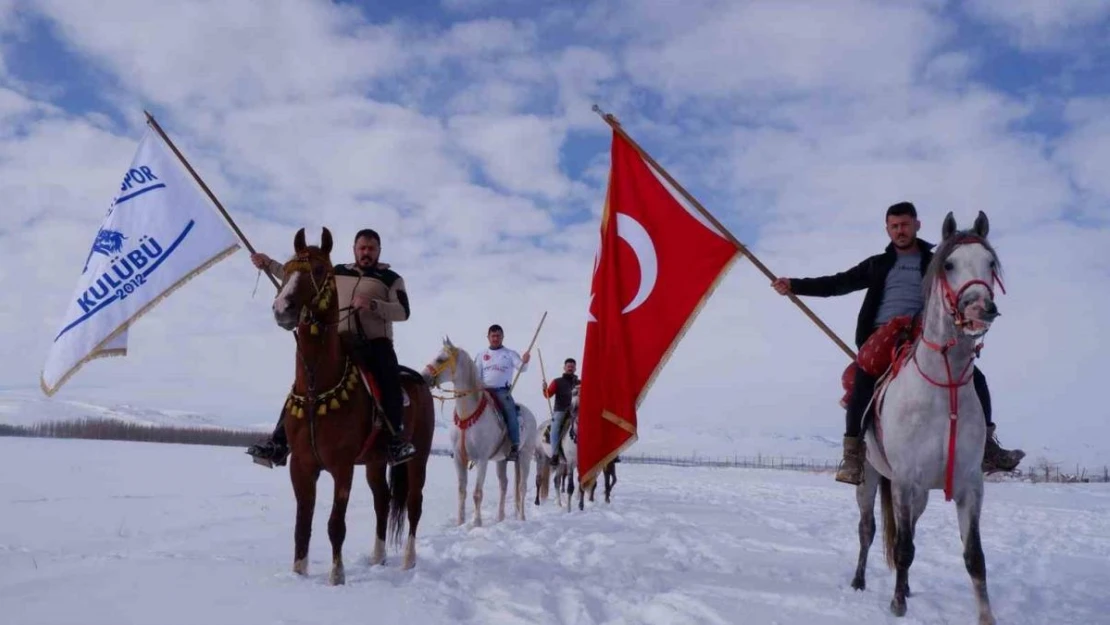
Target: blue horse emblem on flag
107,242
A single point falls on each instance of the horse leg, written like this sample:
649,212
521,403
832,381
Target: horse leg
479,487
539,480
865,499
303,474
379,487
570,488
968,506
337,523
417,476
610,472
521,491
460,472
907,509
503,483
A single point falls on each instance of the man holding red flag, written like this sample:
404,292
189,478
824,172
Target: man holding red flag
656,266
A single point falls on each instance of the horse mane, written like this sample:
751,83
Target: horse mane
464,359
944,250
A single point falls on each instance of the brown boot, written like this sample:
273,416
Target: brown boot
995,458
851,467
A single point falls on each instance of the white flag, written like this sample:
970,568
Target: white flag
160,231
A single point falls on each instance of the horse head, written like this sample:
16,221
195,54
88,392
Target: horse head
447,361
963,273
307,293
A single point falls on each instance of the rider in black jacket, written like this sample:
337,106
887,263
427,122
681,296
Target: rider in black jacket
893,283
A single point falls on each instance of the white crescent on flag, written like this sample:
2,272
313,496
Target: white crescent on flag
160,231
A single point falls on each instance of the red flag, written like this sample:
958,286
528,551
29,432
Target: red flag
656,266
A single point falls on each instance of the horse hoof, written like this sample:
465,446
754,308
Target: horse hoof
897,608
300,567
378,556
337,578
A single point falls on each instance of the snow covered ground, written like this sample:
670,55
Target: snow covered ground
111,532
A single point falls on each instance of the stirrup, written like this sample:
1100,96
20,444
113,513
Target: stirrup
269,454
401,452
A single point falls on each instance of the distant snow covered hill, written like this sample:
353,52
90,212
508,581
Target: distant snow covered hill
709,436
26,408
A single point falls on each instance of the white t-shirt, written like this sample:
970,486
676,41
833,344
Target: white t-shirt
496,366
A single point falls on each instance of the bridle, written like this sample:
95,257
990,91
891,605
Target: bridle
325,291
954,383
952,297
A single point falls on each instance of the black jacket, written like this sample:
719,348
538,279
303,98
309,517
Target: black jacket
869,274
561,388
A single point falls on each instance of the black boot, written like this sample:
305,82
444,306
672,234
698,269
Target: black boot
275,451
514,453
400,450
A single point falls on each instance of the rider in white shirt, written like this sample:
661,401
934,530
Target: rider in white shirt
496,366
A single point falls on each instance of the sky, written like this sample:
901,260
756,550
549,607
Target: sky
462,131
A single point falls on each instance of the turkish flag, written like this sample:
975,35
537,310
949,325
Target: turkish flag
656,266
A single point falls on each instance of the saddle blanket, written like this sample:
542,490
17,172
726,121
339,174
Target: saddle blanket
877,353
371,386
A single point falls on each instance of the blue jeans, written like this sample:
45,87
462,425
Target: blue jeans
508,408
556,426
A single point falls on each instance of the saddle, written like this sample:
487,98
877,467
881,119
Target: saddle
879,353
379,422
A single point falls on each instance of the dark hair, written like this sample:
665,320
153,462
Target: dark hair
369,234
570,360
495,328
902,208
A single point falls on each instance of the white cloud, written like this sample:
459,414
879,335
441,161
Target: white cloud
213,55
1085,149
759,51
519,153
1038,25
796,123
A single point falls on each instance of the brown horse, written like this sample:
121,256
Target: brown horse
333,423
610,481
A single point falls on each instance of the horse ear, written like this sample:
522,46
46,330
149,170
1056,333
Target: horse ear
298,241
982,225
325,241
447,341
949,227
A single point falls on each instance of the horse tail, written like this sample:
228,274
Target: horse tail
544,478
888,521
398,502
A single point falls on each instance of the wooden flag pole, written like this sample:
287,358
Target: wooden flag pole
517,376
615,125
543,374
239,233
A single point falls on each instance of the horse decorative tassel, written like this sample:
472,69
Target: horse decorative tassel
329,399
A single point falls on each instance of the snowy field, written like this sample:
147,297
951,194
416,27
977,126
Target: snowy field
119,533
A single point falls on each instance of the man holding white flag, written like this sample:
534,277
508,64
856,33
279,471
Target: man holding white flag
159,232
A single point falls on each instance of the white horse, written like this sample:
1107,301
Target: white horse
542,456
930,424
564,471
479,433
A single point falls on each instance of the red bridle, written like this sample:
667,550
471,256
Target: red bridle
953,384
